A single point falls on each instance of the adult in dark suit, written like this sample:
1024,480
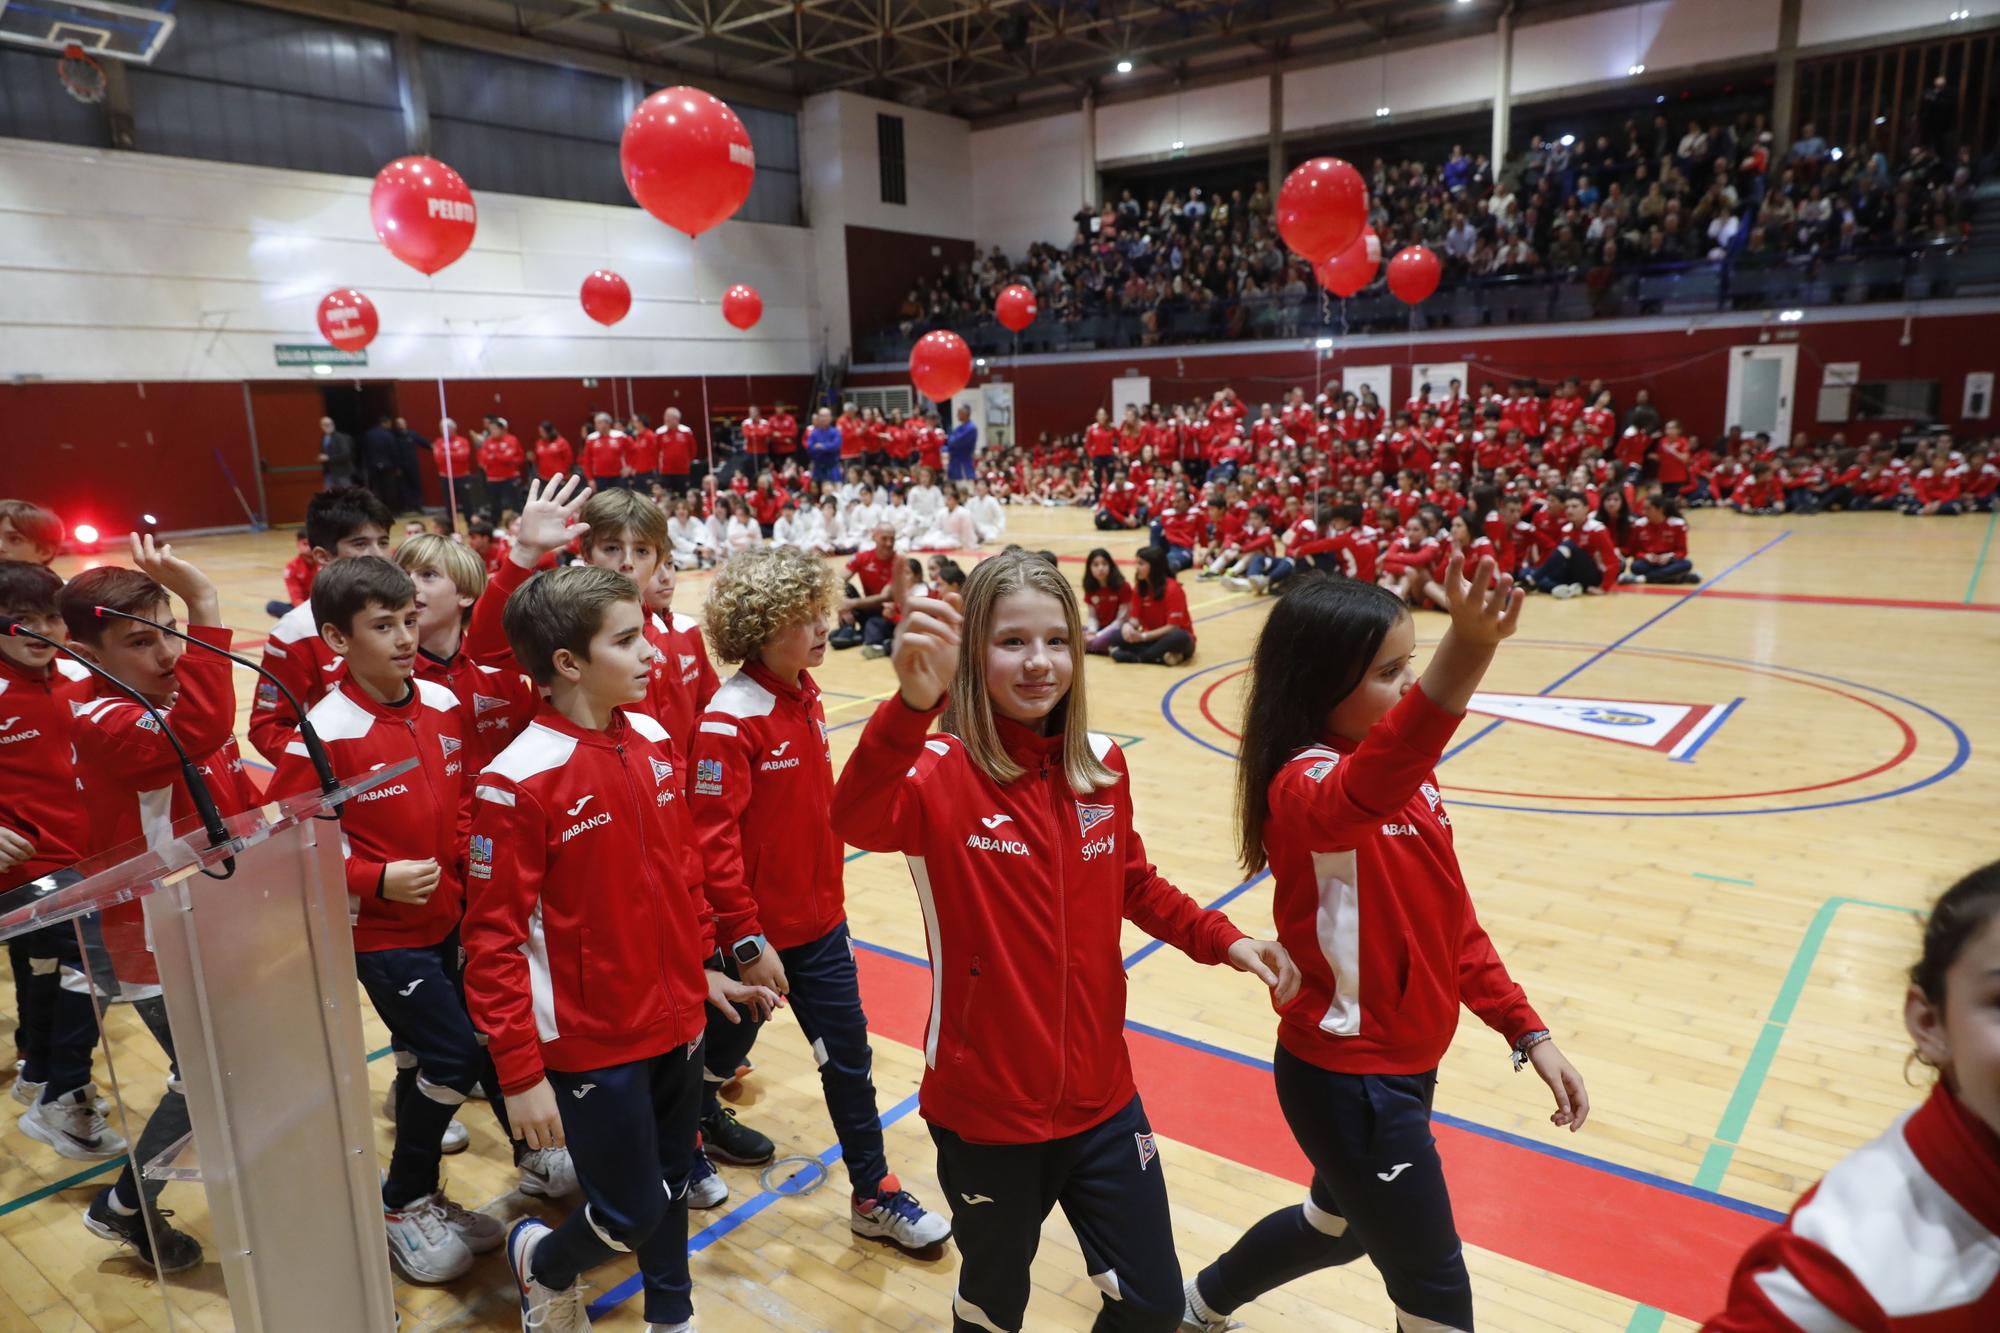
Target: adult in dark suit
336,455
379,469
410,447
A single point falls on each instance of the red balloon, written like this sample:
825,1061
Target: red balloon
940,365
347,319
742,306
1353,268
1414,274
423,212
606,297
1322,207
1015,306
687,159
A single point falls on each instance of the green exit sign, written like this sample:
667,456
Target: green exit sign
316,354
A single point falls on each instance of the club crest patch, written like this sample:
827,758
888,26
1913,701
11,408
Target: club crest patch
1089,817
1319,770
482,704
708,777
1431,794
147,722
479,859
451,745
267,694
1148,1150
662,770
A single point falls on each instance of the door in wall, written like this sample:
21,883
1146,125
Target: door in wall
286,416
1760,389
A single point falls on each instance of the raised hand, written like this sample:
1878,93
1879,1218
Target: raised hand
548,518
1484,609
157,561
926,652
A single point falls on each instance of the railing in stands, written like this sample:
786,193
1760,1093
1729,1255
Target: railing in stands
1697,287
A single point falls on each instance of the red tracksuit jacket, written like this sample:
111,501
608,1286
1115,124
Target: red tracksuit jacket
1901,1237
1370,903
1594,540
37,781
683,678
584,944
296,654
1024,888
1660,542
413,817
494,703
771,865
132,784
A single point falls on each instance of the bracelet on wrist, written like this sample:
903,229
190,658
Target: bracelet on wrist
1527,1043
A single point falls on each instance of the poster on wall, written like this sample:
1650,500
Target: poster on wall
1440,375
1353,379
1978,395
998,399
1130,391
1836,390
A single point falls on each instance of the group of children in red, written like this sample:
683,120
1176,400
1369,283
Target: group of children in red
570,734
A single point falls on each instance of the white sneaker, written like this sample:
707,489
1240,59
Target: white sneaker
548,1173
894,1214
28,1093
73,1126
706,1187
1238,581
423,1246
1564,591
1193,1321
542,1310
481,1234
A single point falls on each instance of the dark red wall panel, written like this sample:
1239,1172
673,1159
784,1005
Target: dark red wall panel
1687,373
882,267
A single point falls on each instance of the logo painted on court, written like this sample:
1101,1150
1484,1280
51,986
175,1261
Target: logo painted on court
1671,729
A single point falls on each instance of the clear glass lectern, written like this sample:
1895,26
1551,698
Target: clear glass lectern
255,964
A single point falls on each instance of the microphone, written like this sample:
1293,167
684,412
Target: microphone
314,750
204,803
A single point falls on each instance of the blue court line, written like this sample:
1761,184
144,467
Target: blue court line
1708,734
738,1215
1619,642
1985,549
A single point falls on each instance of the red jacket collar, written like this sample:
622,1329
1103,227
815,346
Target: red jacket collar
806,690
1025,745
614,734
368,703
1960,1151
14,671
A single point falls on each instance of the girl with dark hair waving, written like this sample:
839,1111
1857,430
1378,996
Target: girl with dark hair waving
1337,795
1017,823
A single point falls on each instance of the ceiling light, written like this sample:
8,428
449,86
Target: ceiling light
1661,98
1636,69
980,363
1124,67
1958,14
1381,111
1790,316
1835,155
1178,145
1881,120
322,370
1326,344
1568,139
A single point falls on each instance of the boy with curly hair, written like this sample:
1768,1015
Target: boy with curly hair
761,795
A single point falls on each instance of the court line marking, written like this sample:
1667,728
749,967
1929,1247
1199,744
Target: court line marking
1715,724
1724,879
1750,1083
1817,599
1985,549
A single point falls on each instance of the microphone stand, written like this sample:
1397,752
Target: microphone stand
204,803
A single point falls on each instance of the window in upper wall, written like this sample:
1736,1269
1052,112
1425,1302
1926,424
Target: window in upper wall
889,148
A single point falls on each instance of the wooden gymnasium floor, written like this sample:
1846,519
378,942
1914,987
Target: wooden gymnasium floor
1717,942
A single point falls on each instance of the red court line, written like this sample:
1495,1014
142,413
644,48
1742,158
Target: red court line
1617,1234
1812,598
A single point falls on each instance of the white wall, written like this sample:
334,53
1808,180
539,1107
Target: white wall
1850,20
125,266
1663,35
1027,181
1198,117
1424,79
842,185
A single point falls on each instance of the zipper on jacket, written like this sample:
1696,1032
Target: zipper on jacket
1060,845
639,821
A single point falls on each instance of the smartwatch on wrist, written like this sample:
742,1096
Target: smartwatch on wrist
750,948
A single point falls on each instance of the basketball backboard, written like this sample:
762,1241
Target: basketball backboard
133,32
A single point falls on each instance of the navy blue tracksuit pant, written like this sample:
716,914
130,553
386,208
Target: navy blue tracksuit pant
826,999
419,993
631,1131
57,1032
1113,1189
1378,1189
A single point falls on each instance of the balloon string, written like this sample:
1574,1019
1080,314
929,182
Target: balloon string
444,415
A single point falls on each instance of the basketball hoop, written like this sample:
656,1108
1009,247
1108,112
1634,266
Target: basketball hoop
82,77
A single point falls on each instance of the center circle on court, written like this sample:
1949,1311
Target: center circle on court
1855,692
